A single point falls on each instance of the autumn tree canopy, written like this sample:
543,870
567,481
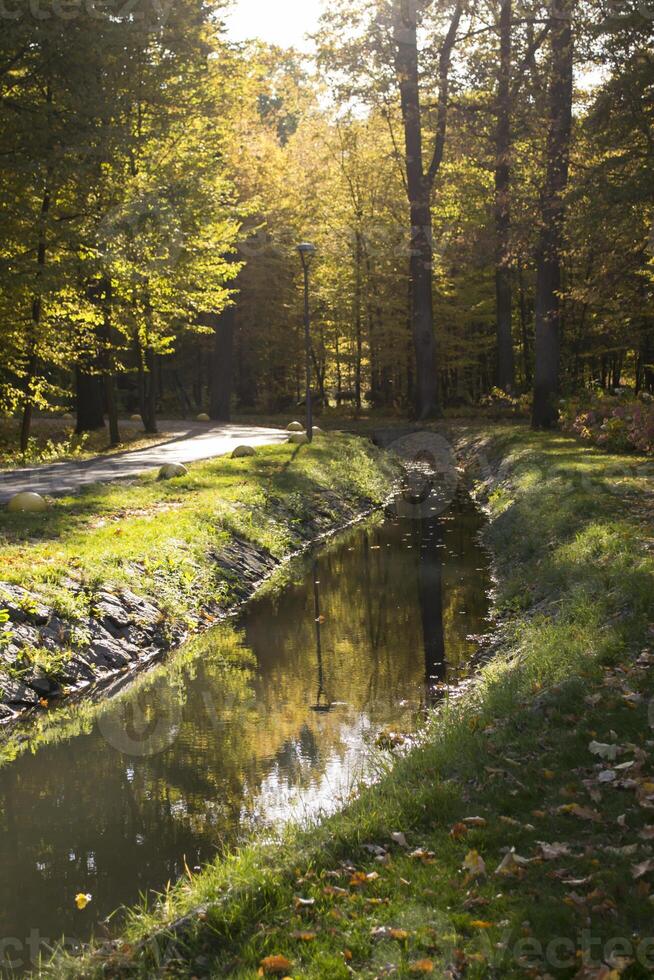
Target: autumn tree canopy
477,179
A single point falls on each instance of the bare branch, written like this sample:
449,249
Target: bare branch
444,63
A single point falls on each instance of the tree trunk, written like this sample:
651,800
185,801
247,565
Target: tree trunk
37,310
426,384
505,358
150,400
222,357
358,322
524,330
108,368
548,278
140,373
420,269
647,357
89,400
26,421
339,372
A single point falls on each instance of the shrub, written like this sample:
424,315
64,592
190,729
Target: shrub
617,421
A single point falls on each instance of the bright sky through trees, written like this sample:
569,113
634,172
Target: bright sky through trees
285,22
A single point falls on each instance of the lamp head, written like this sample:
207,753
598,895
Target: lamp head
307,252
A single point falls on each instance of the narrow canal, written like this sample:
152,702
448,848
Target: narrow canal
269,716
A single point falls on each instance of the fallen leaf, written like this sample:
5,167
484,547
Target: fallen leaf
458,831
481,924
602,972
304,937
510,822
638,870
475,902
628,850
604,750
583,812
274,965
330,890
512,864
389,932
419,967
303,903
474,864
82,900
552,852
475,821
399,838
575,901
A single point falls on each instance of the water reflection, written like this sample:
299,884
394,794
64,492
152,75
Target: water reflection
323,703
262,719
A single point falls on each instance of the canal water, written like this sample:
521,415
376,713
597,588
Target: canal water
271,715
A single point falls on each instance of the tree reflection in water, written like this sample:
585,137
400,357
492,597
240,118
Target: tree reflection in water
346,633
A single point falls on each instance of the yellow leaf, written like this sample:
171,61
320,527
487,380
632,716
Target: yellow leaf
474,864
481,924
398,934
583,812
82,900
272,965
421,966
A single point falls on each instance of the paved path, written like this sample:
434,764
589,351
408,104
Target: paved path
192,441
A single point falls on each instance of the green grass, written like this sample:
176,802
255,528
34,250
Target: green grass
163,539
158,537
570,530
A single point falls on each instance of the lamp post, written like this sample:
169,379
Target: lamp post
307,252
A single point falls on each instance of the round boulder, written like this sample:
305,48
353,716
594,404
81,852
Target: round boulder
295,427
135,418
299,438
317,430
203,417
68,416
27,502
169,471
242,451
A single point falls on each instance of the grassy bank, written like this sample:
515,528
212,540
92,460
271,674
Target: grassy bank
189,547
517,839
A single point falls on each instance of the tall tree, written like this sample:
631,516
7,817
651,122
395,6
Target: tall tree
550,245
420,185
503,290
